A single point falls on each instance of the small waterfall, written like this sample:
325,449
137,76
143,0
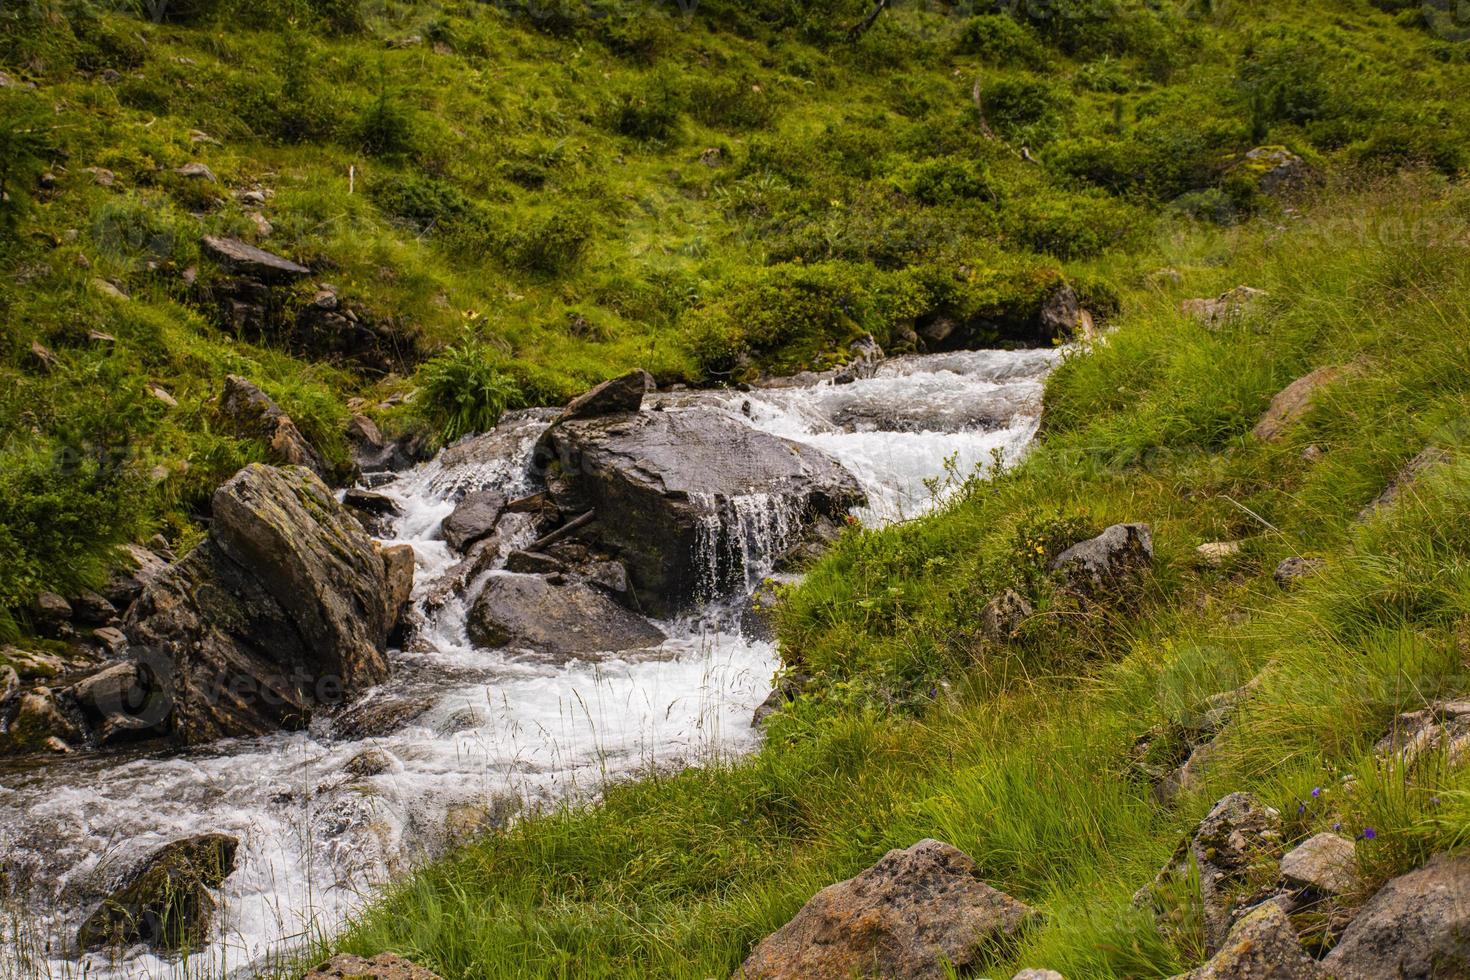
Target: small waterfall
740,539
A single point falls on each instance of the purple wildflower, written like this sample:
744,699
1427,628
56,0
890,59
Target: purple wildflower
1316,792
1369,833
1301,808
1337,826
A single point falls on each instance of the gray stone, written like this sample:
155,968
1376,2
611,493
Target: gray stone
1276,168
398,568
1291,571
378,714
283,609
866,356
619,396
51,609
39,716
1003,616
243,258
1262,946
1442,729
198,171
473,518
1218,554
113,641
1325,863
1416,926
165,902
529,612
1113,563
668,487
1034,974
116,689
93,609
384,966
918,913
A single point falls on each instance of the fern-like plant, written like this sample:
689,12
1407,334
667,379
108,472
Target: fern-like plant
461,390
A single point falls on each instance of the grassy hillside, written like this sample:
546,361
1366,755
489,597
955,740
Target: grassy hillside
561,191
1025,754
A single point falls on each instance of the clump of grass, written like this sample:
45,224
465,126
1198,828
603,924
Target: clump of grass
463,389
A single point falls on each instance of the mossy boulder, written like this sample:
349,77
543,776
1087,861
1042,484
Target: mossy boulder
165,900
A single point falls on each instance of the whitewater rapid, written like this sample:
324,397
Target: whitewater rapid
499,732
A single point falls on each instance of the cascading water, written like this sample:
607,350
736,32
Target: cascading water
491,730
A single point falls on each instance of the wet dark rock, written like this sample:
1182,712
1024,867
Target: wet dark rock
378,714
1291,571
618,396
1234,844
1417,925
255,414
9,685
372,452
384,966
280,611
1003,615
369,762
398,569
1262,946
1293,403
529,612
612,576
533,563
866,356
918,913
1113,563
473,518
788,688
368,502
659,481
115,689
1062,315
93,609
165,901
37,717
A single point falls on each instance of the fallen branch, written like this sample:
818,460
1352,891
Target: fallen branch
565,531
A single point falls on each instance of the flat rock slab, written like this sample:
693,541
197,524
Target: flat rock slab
384,966
473,518
242,257
1417,925
682,495
1325,863
915,914
529,612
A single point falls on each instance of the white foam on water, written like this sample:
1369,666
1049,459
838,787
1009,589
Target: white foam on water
500,729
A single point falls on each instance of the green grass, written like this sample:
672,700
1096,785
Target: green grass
1023,755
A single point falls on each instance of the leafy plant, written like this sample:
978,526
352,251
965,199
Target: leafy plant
463,390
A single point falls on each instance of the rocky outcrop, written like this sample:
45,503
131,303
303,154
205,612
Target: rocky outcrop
666,487
1275,169
283,609
1004,615
918,913
165,901
1441,730
40,720
620,396
1234,844
473,519
254,414
384,966
245,259
1262,946
398,571
1112,564
529,612
1417,925
1293,402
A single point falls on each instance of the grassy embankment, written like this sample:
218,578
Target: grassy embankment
1022,755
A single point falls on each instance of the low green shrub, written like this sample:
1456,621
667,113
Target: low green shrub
464,389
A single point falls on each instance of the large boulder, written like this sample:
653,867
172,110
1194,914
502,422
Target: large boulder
692,500
1417,925
165,900
40,721
530,612
282,609
1113,563
255,414
1262,946
918,913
